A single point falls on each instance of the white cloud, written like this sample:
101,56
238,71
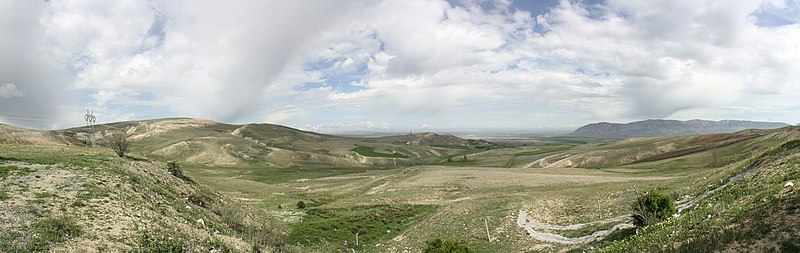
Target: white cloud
408,62
214,59
9,90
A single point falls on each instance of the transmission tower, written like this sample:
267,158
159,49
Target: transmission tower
90,119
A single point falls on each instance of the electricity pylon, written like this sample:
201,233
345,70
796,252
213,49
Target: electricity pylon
90,119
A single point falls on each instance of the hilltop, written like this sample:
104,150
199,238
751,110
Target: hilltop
659,127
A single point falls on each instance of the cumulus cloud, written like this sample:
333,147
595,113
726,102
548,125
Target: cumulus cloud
470,64
615,61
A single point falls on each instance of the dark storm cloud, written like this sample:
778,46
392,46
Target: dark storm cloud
25,67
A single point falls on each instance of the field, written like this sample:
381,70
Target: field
532,194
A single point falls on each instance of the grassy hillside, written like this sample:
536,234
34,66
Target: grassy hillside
75,199
751,211
202,142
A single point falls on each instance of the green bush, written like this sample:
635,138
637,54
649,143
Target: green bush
446,246
176,171
652,208
301,204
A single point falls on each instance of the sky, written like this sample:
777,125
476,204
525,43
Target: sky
399,65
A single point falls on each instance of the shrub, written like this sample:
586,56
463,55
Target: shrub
176,171
652,208
119,143
446,246
301,204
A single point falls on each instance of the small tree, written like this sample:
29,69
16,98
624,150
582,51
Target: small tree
446,246
301,204
652,208
119,143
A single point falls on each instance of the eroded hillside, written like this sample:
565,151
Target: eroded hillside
72,199
204,142
755,208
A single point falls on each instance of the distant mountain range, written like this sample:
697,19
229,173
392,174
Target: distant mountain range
660,127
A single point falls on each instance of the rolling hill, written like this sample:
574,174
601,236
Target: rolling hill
205,142
658,127
15,135
242,184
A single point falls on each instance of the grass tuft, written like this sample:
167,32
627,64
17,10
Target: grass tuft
40,236
151,242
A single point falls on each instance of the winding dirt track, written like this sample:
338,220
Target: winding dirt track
530,226
687,202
